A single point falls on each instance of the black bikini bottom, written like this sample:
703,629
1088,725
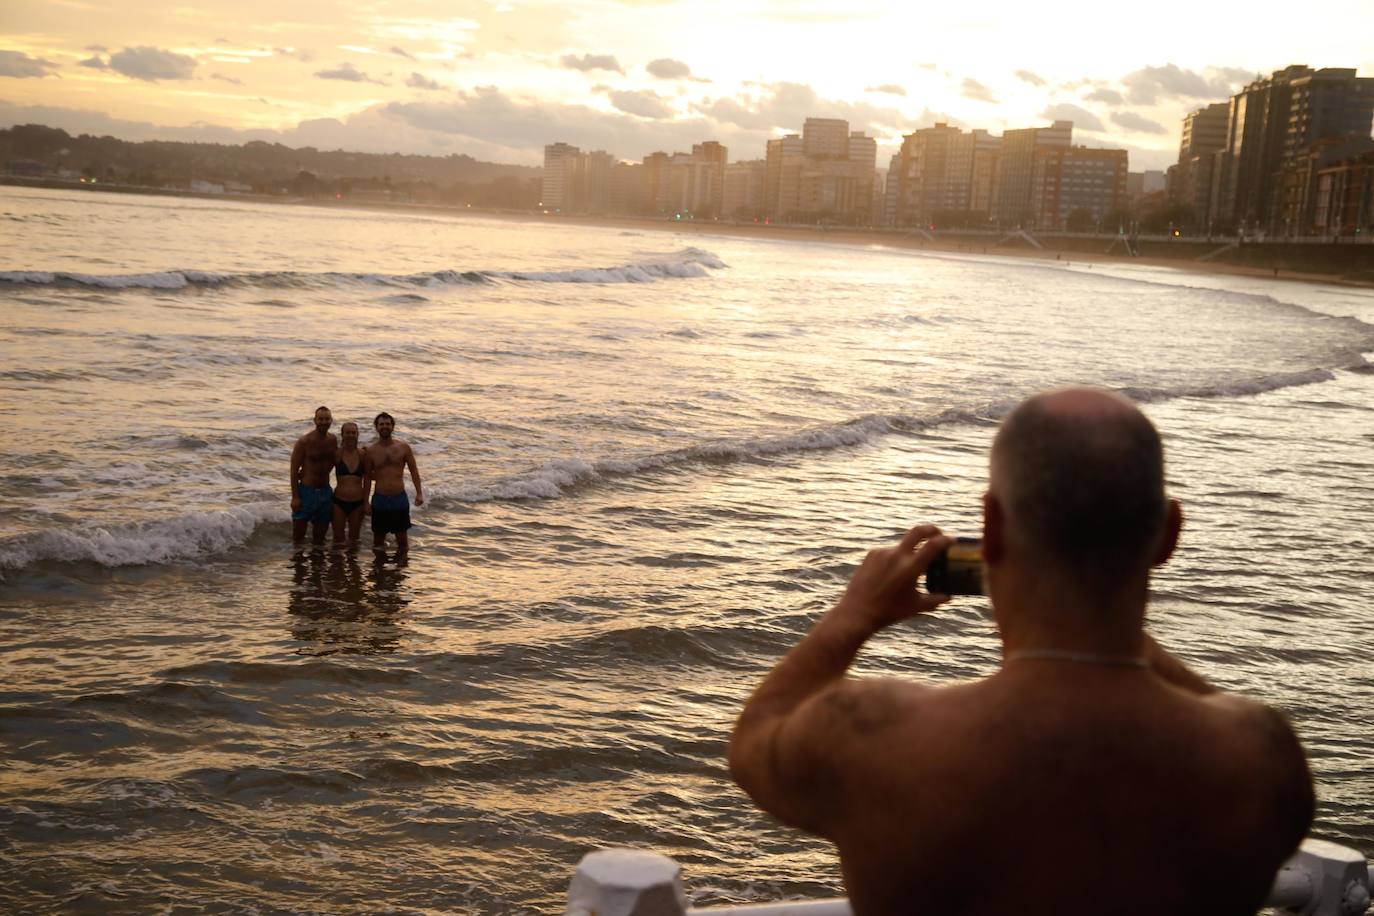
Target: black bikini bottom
348,505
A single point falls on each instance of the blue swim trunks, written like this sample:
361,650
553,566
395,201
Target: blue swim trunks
316,505
390,514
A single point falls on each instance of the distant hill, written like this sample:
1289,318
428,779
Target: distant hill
267,168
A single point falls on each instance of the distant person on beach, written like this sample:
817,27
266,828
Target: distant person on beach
311,461
349,473
1094,772
385,462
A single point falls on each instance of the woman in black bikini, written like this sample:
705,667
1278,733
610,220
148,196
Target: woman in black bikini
348,487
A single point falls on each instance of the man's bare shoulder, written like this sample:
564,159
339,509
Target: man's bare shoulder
861,709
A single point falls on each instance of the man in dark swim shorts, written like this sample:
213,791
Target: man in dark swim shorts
385,462
311,461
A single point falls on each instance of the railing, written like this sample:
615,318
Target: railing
1321,879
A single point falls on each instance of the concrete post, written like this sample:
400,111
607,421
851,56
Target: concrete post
1322,879
626,882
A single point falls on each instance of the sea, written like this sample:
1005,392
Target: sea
651,458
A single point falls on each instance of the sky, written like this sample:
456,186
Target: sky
498,80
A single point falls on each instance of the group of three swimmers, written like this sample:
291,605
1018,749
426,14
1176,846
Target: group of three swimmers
378,470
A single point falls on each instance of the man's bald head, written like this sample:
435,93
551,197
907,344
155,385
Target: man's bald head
1080,476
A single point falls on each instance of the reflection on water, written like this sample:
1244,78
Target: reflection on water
338,606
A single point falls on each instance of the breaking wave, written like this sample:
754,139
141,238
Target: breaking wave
203,534
688,263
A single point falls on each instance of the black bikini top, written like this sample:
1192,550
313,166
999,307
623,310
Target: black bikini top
341,469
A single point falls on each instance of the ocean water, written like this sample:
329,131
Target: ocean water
651,460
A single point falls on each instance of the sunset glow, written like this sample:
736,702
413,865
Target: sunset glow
499,80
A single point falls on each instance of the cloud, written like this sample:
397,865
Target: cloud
786,106
401,52
644,104
19,65
226,79
1146,85
304,55
98,49
589,62
889,88
420,81
1132,121
346,72
665,68
972,89
1109,96
95,63
1082,118
152,64
1029,77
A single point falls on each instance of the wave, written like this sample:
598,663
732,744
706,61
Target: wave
687,263
202,534
187,537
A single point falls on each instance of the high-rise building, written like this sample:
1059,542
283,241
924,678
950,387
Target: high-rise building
560,176
1190,181
743,194
1012,205
714,155
825,138
782,193
1077,188
1345,197
1270,124
945,174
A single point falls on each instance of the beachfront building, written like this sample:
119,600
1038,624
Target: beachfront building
686,185
1190,181
1078,189
825,138
945,177
1271,124
1300,193
784,158
1345,198
1012,202
560,170
825,174
743,194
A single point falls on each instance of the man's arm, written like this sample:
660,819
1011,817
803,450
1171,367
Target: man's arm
414,476
297,462
787,734
367,482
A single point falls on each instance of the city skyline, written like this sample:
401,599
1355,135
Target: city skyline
499,80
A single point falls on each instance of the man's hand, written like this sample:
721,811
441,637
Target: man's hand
295,504
419,499
884,590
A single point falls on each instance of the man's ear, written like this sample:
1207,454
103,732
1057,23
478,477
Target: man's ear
994,529
1173,524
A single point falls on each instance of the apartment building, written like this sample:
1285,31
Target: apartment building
1012,204
1077,188
560,176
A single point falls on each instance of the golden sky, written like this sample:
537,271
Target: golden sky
498,80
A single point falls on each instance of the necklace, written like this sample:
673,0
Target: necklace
1081,658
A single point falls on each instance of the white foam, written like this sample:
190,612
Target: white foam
688,263
185,537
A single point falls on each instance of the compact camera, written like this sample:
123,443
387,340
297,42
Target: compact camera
959,570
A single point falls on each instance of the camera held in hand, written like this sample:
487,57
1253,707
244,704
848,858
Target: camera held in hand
959,570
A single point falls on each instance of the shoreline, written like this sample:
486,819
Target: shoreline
903,240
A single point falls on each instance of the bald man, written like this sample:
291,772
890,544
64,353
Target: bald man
1093,773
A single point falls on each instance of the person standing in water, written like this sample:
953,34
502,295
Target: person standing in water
311,460
349,474
385,462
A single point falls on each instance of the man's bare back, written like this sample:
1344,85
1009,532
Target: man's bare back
1094,773
1155,786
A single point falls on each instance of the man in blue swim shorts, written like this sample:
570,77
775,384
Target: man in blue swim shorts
385,462
311,461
